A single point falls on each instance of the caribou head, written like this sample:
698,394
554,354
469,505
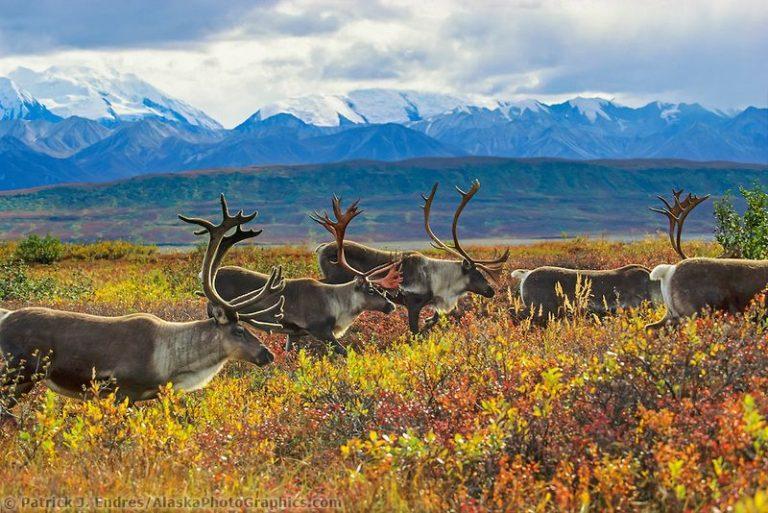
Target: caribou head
373,283
473,271
239,342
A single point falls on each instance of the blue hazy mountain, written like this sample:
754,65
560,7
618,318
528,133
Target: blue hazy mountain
128,128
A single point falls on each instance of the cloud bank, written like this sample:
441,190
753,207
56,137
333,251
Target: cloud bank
228,58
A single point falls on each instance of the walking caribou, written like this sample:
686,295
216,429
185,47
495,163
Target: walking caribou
137,354
609,289
322,310
426,281
624,287
695,284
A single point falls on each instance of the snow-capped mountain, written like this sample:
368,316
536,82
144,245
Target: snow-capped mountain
77,124
595,128
16,103
107,96
369,106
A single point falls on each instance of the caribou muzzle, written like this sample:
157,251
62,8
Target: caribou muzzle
487,292
264,357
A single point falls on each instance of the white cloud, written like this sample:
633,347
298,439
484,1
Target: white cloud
709,51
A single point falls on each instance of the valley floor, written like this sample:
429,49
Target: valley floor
480,415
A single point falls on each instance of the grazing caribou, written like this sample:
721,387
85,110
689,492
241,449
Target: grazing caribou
610,289
139,353
695,284
322,310
426,281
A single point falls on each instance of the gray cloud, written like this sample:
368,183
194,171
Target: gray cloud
41,26
712,55
232,57
31,27
366,62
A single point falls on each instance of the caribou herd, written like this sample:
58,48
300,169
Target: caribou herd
137,354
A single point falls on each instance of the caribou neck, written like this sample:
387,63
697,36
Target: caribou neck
347,299
445,276
190,349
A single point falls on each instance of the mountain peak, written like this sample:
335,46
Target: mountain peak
105,95
591,108
16,103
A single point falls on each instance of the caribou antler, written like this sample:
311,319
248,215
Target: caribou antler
676,213
491,266
217,238
391,280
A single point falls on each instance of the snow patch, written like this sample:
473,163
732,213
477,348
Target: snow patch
669,111
590,108
318,110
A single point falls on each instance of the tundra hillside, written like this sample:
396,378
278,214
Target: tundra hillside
481,414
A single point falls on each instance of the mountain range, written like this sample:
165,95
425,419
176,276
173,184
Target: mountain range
78,124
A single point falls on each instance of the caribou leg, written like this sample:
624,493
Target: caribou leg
431,322
331,339
413,319
414,305
9,398
293,341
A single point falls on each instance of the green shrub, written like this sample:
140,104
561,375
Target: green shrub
17,285
40,250
744,236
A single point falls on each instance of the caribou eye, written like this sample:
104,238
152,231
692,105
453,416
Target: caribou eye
466,265
371,291
239,329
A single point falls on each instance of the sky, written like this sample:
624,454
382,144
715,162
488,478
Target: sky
230,57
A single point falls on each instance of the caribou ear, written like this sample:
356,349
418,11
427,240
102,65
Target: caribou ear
219,315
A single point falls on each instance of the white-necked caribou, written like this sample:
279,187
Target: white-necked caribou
427,281
138,353
696,284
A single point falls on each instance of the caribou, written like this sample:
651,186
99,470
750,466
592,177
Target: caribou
137,354
696,284
426,281
322,310
625,287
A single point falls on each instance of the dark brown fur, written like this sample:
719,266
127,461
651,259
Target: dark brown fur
626,286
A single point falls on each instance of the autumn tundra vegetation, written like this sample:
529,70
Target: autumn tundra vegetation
488,410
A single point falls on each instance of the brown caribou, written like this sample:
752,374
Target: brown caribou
322,310
426,281
137,354
697,284
608,289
